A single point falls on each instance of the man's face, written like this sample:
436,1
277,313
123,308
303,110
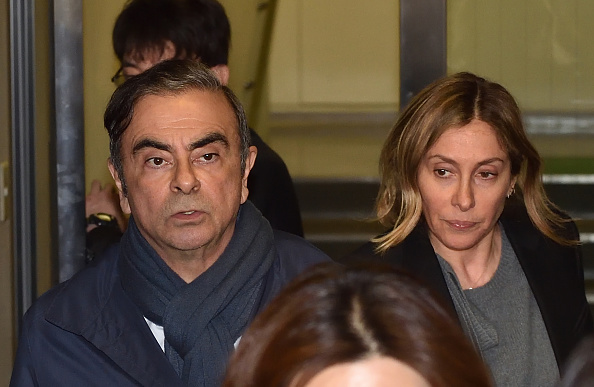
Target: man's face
181,162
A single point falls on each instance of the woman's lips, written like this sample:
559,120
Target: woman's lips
460,224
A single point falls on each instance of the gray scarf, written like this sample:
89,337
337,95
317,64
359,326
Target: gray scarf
204,318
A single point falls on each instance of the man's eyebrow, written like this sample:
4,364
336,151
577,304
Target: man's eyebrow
209,139
148,143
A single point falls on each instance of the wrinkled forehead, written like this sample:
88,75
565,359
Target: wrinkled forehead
190,109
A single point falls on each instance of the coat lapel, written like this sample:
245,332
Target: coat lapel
122,334
105,316
416,256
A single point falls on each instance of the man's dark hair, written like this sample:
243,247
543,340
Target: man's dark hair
171,77
199,29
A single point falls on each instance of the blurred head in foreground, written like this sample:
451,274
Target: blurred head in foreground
365,326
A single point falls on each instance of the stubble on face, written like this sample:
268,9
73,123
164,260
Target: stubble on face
181,157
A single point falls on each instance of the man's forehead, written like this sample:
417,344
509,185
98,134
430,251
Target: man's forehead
192,95
191,109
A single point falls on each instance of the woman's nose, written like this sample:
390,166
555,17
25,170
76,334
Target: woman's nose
464,196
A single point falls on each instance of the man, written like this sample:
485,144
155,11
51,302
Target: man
196,263
150,31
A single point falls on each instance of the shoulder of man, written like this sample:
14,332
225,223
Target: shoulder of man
69,303
294,255
55,320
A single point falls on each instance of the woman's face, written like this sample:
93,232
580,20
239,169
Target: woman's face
464,179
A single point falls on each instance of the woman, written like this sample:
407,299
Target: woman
462,194
337,326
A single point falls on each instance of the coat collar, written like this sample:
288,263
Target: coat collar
94,305
416,256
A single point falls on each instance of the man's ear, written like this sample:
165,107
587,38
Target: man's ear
222,72
118,182
249,164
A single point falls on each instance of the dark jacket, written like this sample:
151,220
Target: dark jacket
87,331
554,272
271,189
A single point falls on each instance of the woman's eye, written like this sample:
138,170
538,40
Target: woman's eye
486,175
442,172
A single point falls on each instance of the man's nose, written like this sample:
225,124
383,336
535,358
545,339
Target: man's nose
185,179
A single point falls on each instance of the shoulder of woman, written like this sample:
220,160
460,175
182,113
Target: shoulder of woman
515,219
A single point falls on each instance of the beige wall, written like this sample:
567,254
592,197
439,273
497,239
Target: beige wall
100,64
248,28
540,49
329,55
335,56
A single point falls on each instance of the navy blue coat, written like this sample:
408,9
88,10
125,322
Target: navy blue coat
87,332
271,189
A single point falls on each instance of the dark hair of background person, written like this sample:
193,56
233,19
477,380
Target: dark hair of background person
171,77
333,314
579,369
199,29
453,102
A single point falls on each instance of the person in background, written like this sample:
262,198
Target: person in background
197,262
462,196
355,326
149,31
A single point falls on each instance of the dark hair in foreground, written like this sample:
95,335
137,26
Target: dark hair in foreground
168,78
453,102
333,314
199,29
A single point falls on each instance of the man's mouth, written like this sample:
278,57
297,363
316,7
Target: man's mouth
188,214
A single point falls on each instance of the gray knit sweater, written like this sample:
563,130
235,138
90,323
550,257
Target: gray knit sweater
504,322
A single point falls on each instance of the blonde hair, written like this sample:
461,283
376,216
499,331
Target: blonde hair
453,102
